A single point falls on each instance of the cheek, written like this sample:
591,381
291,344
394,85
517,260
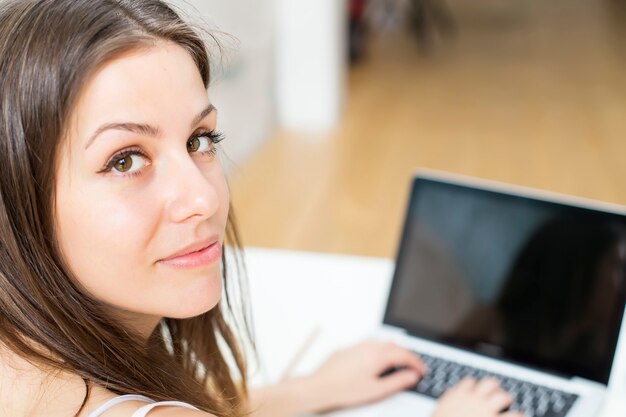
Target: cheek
215,178
111,236
221,187
102,236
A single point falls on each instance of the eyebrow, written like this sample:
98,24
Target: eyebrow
144,129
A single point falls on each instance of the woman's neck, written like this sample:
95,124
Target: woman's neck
142,324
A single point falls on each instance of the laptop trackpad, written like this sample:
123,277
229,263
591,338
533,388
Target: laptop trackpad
404,404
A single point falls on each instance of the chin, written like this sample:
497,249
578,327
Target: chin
189,311
199,298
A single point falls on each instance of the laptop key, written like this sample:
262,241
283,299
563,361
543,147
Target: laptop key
534,400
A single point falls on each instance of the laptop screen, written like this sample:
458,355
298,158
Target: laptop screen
534,282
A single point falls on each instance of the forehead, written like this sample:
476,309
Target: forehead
157,84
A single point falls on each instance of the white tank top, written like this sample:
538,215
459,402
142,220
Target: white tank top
141,412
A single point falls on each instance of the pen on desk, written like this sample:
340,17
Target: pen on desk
301,352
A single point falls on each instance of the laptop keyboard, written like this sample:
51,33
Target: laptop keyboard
533,400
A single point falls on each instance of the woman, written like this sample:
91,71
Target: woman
114,214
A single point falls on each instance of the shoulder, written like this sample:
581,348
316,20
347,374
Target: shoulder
36,389
129,407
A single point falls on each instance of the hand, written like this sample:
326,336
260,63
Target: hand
351,376
470,398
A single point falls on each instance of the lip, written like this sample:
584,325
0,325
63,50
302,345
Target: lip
197,254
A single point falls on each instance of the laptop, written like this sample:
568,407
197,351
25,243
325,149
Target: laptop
496,280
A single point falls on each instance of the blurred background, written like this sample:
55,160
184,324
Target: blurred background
329,106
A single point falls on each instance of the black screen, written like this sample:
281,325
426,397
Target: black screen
530,281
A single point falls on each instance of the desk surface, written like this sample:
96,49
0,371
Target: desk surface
326,302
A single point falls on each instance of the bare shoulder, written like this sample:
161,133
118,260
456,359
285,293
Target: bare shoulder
35,388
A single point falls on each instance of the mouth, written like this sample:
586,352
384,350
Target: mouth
195,255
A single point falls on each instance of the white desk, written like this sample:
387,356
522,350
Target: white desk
340,299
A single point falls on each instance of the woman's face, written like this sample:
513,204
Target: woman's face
141,200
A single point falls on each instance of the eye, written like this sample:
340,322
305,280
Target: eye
204,142
129,164
199,144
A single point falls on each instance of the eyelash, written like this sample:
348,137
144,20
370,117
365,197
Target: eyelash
214,136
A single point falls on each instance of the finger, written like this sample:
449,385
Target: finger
397,356
500,400
397,382
419,362
512,414
466,384
487,386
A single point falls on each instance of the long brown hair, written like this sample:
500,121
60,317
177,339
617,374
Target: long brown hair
48,49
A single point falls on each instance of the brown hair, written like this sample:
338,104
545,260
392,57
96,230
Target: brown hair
48,49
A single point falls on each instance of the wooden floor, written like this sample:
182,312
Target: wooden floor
530,92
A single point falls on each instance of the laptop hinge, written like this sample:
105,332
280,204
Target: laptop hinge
394,329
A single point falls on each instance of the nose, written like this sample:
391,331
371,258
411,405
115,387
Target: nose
190,192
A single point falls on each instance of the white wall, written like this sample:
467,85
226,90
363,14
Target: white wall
286,69
310,62
242,87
